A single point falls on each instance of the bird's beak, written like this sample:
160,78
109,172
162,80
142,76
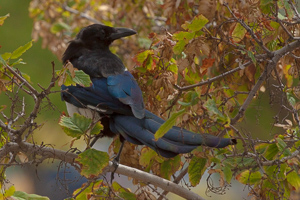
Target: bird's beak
121,32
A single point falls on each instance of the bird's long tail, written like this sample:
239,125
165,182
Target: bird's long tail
175,141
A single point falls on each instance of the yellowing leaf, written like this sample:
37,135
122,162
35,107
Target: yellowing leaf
146,156
247,177
97,128
170,166
2,18
4,194
294,179
196,170
238,33
92,162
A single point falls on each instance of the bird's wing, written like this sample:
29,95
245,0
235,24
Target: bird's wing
125,88
97,97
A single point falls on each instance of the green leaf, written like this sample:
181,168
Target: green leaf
6,55
247,177
58,27
165,127
179,47
238,33
282,147
24,196
2,61
75,126
183,35
3,18
197,24
196,169
92,162
228,173
251,55
170,166
294,179
211,106
82,78
271,151
22,49
123,192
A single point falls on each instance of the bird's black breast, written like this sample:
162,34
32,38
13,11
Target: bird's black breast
99,64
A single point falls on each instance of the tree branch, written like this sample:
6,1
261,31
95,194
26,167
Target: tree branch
48,152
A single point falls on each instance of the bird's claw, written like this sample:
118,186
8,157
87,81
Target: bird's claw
115,165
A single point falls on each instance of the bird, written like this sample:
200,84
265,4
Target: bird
115,98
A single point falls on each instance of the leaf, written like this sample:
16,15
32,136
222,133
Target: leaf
97,187
146,156
124,193
228,173
206,63
183,35
197,24
271,151
22,49
251,55
2,18
58,27
165,127
247,177
75,126
293,179
92,162
97,128
179,47
238,33
250,72
170,166
2,61
282,147
196,169
82,78
7,193
183,38
24,196
6,55
141,57
211,106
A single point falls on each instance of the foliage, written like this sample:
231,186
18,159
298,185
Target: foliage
200,65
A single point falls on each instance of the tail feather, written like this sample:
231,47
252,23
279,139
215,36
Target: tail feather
175,141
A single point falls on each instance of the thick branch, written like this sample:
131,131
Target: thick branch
48,152
208,81
269,68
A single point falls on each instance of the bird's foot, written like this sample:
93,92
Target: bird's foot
115,165
75,150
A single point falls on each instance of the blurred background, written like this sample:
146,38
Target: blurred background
54,179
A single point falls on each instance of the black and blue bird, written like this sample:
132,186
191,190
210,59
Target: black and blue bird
116,100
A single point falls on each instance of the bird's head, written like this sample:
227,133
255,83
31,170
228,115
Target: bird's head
94,35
